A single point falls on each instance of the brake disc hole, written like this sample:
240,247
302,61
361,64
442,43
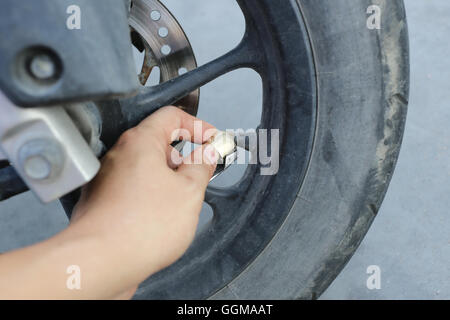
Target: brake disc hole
182,71
166,49
163,32
155,15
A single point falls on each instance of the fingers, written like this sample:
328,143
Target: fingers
174,157
200,165
171,123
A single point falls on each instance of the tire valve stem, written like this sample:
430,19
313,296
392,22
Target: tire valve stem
226,147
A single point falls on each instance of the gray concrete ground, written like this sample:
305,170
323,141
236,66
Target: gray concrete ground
410,239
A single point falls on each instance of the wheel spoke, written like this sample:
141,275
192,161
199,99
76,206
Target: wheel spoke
150,99
147,66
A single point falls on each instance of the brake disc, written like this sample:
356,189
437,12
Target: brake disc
156,33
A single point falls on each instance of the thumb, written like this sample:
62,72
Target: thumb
200,164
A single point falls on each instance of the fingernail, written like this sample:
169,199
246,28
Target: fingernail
211,155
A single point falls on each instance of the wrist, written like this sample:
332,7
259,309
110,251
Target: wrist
117,250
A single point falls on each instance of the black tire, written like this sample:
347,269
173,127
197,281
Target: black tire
362,83
363,80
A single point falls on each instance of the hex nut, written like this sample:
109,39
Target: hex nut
224,143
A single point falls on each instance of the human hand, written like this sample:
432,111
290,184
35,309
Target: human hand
142,206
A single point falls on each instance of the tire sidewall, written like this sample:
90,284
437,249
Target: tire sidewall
362,90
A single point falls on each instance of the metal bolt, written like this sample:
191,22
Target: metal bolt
41,159
42,67
37,167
